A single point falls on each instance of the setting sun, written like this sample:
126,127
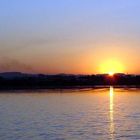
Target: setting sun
111,73
111,67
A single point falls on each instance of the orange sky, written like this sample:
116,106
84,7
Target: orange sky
70,36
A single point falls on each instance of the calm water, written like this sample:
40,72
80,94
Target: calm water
92,114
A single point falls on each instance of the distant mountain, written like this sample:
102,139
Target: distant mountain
12,75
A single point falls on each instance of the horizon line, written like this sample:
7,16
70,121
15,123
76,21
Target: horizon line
67,73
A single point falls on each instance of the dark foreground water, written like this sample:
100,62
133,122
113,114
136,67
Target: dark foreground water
93,114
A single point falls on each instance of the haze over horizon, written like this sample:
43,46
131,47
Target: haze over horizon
76,37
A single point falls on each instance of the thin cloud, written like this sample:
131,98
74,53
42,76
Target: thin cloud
9,64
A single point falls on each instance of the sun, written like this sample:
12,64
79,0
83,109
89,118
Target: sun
111,67
111,73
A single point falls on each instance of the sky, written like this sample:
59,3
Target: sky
70,36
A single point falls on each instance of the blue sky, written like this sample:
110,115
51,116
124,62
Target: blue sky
68,31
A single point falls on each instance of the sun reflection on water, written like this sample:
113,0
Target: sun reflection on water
111,112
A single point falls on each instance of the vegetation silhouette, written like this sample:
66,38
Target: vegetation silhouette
41,81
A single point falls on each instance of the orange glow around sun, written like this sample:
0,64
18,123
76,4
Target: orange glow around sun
111,67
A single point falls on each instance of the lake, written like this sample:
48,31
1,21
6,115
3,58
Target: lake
70,114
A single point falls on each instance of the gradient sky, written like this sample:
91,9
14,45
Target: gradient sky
69,36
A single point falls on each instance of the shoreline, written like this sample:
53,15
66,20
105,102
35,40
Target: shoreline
68,87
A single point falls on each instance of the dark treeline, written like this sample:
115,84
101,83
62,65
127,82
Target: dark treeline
62,80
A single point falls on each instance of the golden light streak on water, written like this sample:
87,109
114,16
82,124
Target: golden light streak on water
111,112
